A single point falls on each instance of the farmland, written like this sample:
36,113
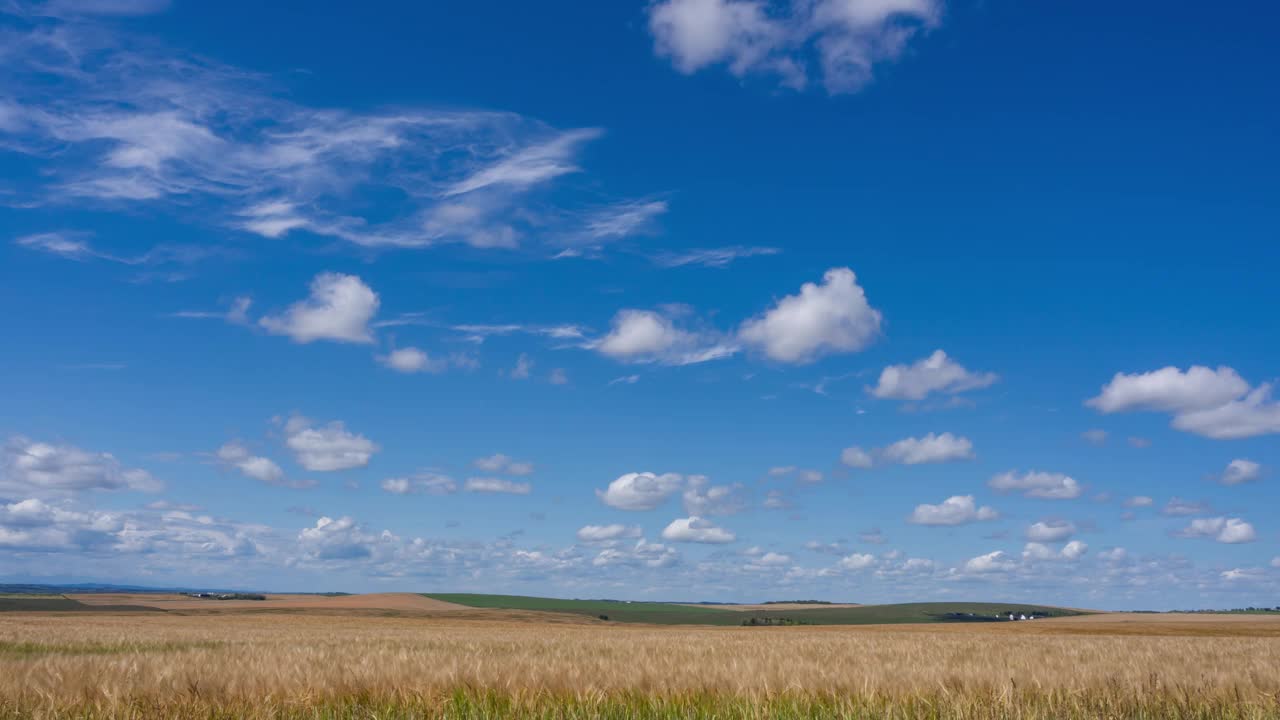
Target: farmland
429,657
684,614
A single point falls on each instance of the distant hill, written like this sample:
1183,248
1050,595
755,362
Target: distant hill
77,588
676,614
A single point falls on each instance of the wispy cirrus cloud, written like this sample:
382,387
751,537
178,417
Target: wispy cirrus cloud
113,120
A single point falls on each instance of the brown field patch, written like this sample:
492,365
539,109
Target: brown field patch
402,602
775,606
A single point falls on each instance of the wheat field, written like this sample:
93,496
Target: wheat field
299,665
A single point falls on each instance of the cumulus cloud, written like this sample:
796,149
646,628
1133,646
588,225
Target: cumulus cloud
992,562
642,554
1071,552
856,561
606,533
825,318
929,449
856,457
412,360
646,336
423,483
1051,531
641,491
844,41
496,485
696,530
339,308
499,463
701,498
1178,507
30,466
328,447
1240,471
1220,529
236,455
955,510
936,373
1041,485
1217,404
1139,501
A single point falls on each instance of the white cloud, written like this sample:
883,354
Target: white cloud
702,499
1179,507
558,376
623,219
1050,532
413,360
625,380
529,165
423,483
1224,530
936,373
845,40
955,510
1242,575
606,533
499,463
1275,562
496,485
1217,404
263,469
643,554
339,309
720,257
992,562
1139,501
856,561
1042,485
697,530
1096,436
823,318
856,457
929,449
36,467
1240,471
524,365
1072,551
646,336
640,491
328,447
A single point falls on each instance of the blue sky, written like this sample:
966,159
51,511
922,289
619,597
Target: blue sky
867,300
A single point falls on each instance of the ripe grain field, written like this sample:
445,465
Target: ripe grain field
261,665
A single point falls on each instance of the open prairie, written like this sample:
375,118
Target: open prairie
439,660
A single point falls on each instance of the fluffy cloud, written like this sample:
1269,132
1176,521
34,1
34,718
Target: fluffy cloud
606,533
423,483
496,485
856,561
339,309
1240,471
845,40
29,466
327,447
235,454
1042,485
1071,552
856,457
992,562
1217,403
640,491
499,463
825,318
702,499
651,337
337,539
929,449
936,373
1139,501
696,530
1050,532
932,448
1224,530
412,360
642,554
1178,507
955,510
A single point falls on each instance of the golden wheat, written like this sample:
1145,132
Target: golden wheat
261,665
